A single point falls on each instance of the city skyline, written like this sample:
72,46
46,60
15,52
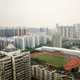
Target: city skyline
39,13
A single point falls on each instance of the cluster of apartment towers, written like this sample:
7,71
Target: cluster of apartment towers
15,65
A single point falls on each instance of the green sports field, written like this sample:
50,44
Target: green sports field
57,60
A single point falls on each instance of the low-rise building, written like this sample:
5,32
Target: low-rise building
43,73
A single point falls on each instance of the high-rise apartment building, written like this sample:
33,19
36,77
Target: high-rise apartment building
14,64
70,35
30,41
5,41
69,31
56,40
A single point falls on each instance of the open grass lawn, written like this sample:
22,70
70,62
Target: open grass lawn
57,60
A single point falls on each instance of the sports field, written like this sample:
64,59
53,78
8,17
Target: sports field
57,60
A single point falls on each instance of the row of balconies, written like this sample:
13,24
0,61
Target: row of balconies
15,67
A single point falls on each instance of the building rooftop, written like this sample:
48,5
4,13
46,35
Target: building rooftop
9,48
45,67
66,51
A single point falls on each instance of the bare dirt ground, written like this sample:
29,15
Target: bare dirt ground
35,54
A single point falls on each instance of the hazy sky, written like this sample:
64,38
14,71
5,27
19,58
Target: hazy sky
35,13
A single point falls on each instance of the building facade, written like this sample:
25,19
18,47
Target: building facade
29,41
42,73
56,40
69,31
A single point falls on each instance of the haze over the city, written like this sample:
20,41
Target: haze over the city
39,13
